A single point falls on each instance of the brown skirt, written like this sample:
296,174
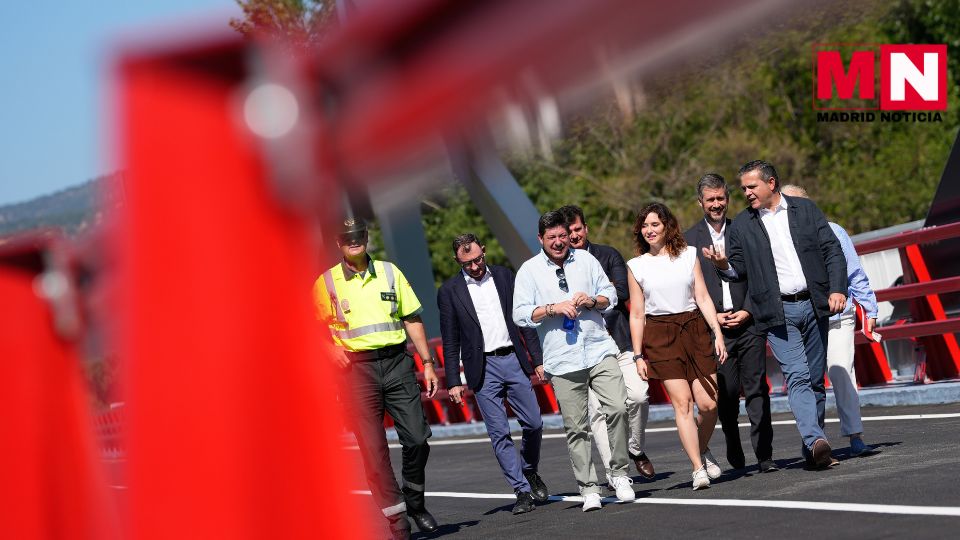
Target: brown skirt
679,346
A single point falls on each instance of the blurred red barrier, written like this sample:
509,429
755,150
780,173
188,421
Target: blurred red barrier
53,484
232,426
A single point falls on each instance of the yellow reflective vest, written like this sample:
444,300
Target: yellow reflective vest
365,312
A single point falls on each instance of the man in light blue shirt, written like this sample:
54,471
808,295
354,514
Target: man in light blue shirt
563,293
840,346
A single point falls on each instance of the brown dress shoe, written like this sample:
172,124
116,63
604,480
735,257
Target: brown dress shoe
644,467
821,454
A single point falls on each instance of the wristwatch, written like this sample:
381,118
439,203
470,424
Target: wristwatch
429,361
640,356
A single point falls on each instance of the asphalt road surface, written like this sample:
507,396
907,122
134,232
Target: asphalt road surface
910,490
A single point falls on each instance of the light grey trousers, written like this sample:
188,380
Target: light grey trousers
638,409
606,380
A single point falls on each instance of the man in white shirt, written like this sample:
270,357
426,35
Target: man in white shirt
478,331
745,367
796,278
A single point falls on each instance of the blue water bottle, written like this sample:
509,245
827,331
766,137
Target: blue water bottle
569,324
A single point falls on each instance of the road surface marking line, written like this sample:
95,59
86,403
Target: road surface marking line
447,442
949,511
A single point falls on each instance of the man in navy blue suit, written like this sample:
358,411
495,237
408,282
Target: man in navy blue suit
478,330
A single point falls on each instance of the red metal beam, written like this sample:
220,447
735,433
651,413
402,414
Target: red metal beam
925,235
912,330
913,290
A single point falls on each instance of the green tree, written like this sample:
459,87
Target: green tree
298,23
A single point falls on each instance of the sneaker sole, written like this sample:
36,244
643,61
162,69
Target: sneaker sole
698,488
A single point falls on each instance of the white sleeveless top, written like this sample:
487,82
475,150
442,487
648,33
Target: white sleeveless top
667,283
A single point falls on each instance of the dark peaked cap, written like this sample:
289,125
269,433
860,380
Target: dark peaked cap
351,226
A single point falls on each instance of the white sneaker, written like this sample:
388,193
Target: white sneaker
710,462
624,492
700,479
591,501
610,483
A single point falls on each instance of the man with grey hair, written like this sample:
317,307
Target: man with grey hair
796,278
477,328
746,346
840,348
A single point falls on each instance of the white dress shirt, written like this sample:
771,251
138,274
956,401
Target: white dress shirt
789,271
785,259
721,245
486,301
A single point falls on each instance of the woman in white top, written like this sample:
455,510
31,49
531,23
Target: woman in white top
666,288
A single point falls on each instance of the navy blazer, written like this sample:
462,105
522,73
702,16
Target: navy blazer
461,334
821,259
699,236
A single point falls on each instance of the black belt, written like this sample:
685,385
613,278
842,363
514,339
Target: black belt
376,354
502,351
798,297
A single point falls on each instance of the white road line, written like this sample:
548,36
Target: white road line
949,511
447,442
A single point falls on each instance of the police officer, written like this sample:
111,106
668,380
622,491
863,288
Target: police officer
370,308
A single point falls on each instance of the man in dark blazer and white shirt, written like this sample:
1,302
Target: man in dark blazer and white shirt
746,347
477,327
796,278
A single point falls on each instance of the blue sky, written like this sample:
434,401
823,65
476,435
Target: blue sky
55,57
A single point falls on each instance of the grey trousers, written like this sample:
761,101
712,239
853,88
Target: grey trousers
606,380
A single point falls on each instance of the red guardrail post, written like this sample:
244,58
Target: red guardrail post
943,352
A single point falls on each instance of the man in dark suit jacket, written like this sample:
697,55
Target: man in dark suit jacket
796,278
746,346
477,327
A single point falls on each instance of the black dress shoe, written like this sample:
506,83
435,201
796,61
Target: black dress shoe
524,503
424,521
768,465
400,533
399,527
736,458
537,488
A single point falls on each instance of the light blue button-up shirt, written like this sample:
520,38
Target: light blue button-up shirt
537,284
859,285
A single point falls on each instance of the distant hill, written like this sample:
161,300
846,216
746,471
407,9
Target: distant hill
72,210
